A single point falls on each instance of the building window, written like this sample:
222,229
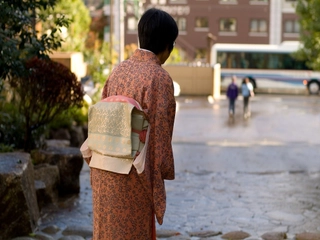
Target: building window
228,25
201,23
291,26
182,23
178,1
259,2
161,2
228,1
258,25
132,24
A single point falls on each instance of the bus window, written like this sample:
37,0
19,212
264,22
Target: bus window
273,61
262,62
243,61
222,59
259,60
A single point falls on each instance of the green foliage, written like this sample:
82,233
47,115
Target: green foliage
99,62
11,126
18,36
63,120
80,115
6,148
175,57
309,13
76,12
39,88
72,116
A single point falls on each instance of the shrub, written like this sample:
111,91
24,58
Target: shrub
73,116
6,148
11,125
49,89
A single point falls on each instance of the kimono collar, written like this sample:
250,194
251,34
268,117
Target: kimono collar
145,56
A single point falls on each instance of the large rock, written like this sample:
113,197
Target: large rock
57,143
61,134
69,161
19,213
76,136
47,183
235,235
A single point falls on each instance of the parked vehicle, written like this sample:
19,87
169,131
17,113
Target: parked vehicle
269,67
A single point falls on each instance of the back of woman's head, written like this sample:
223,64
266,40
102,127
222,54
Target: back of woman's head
157,31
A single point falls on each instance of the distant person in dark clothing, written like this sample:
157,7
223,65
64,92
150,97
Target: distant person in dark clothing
232,94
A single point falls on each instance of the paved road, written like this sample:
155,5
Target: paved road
256,175
280,134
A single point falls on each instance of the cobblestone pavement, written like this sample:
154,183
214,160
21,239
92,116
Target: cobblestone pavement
259,176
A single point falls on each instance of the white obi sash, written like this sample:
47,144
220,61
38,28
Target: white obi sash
117,135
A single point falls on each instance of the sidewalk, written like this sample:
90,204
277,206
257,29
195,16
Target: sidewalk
256,176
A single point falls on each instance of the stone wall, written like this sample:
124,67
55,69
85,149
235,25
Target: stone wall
69,162
18,204
30,181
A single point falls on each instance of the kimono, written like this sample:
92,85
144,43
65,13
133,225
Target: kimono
125,205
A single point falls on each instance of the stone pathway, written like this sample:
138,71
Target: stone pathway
206,205
256,180
254,203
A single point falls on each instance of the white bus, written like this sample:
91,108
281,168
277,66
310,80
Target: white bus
270,68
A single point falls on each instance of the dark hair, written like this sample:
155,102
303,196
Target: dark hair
157,30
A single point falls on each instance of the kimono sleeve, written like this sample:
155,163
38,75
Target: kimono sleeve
162,121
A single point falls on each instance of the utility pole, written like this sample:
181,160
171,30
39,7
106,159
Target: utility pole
111,32
121,40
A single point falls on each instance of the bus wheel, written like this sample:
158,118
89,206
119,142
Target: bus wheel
313,87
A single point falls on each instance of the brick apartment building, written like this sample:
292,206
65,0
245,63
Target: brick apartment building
205,22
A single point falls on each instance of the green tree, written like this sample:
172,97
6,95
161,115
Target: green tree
34,89
175,57
99,62
18,35
99,65
309,13
74,36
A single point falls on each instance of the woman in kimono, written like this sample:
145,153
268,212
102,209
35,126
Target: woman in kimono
125,205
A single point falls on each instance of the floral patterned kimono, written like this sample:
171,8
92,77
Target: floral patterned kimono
125,205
